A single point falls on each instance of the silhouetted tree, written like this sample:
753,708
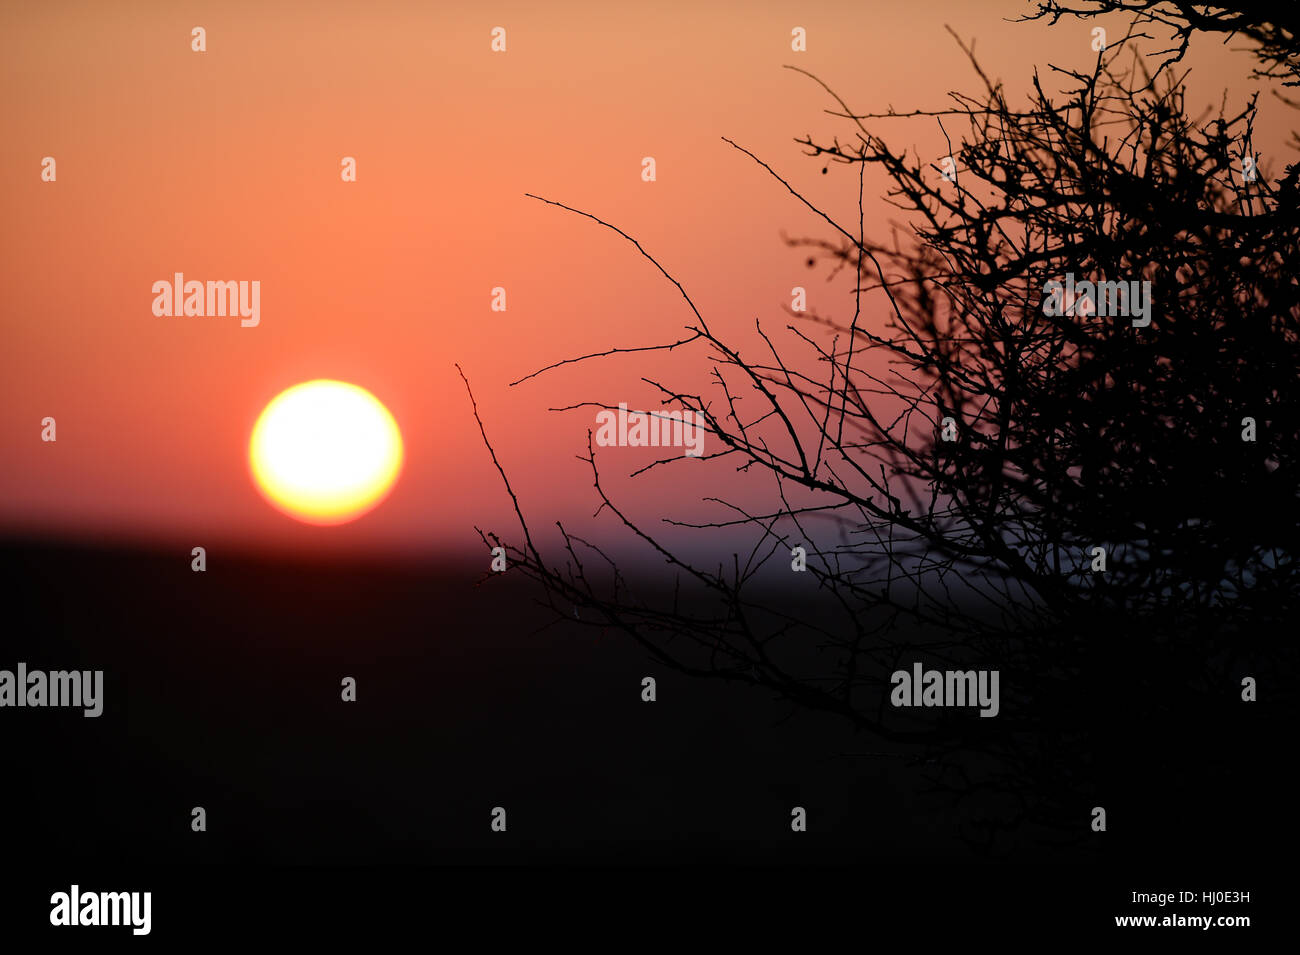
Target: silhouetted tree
1272,30
1070,431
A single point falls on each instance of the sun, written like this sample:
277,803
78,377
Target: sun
325,452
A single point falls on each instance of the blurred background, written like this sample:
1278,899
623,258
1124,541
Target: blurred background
225,165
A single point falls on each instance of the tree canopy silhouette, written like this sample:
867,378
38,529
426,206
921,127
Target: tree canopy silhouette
987,473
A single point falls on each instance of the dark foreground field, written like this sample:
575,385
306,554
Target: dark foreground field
223,691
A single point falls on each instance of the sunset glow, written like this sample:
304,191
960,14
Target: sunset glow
325,452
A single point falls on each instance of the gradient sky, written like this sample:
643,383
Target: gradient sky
225,165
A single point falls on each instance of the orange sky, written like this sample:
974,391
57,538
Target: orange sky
225,165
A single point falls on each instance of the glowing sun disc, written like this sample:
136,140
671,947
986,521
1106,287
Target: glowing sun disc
325,451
